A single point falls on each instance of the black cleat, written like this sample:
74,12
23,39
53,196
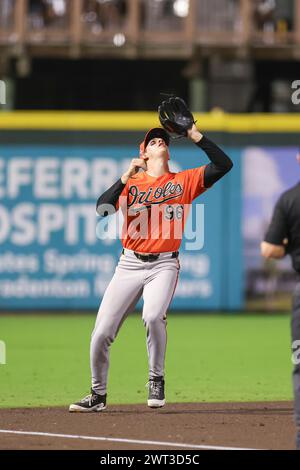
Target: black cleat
156,397
90,403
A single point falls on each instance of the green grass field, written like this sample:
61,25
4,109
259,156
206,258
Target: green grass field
210,358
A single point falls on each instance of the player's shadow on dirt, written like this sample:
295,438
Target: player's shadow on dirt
283,411
244,411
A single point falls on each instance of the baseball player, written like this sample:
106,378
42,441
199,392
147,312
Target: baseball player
282,238
149,263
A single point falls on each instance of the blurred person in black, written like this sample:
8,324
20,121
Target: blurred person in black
47,13
111,13
263,13
108,14
283,237
54,12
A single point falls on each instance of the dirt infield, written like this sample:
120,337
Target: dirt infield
238,425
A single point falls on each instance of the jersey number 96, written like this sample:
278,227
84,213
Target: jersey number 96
173,212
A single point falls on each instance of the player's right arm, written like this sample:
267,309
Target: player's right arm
108,201
270,250
134,167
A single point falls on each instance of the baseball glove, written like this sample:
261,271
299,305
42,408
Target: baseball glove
175,116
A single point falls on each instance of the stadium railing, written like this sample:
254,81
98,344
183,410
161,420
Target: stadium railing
145,27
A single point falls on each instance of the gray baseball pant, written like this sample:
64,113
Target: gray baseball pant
156,282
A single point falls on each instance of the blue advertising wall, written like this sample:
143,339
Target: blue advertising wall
50,256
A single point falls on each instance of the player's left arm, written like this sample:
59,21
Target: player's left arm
220,163
275,243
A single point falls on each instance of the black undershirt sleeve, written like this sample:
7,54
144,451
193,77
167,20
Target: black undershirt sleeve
220,162
278,228
111,197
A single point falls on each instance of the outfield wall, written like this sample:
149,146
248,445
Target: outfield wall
53,166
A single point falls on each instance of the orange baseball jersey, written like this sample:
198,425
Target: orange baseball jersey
155,209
